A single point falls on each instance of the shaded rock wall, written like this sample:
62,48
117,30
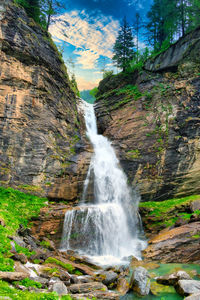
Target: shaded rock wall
41,149
155,129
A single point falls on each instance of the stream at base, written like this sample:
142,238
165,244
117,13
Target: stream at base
108,229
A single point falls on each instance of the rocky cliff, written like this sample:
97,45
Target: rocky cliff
41,150
153,119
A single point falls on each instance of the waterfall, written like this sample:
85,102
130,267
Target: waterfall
107,229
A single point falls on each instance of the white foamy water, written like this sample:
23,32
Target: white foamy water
107,229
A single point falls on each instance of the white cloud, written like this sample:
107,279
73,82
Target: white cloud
92,36
84,84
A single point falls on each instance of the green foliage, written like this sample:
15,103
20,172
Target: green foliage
169,19
94,92
15,208
28,283
32,8
23,250
123,47
131,91
163,211
158,208
107,74
7,291
45,244
68,267
74,85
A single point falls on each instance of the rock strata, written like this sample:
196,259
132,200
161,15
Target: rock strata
153,121
41,150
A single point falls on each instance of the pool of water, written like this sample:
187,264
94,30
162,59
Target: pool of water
161,292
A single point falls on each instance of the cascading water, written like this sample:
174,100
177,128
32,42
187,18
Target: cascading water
107,230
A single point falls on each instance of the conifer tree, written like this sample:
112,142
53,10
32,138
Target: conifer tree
123,47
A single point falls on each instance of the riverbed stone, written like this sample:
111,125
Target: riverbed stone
193,297
140,282
12,276
195,205
172,279
101,295
107,277
56,285
122,286
85,287
187,287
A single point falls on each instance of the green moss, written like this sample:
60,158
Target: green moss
158,208
45,244
162,213
68,267
28,283
23,250
133,154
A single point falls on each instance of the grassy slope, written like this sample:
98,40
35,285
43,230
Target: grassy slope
169,211
17,208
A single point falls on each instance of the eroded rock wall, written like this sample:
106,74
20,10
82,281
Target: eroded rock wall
155,127
41,149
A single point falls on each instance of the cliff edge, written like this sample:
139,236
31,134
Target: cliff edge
153,117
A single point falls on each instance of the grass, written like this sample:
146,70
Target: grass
15,208
68,267
169,211
165,206
28,283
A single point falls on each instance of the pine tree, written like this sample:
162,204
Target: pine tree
136,29
50,9
123,47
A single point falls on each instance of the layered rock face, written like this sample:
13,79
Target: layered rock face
41,150
153,119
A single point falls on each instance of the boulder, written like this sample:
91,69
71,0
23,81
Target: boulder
101,295
140,282
195,205
107,277
193,297
12,276
172,279
20,257
187,287
176,245
122,286
56,285
85,287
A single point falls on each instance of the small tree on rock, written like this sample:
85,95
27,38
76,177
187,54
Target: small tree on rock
123,47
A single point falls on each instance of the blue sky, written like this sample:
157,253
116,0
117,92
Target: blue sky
88,40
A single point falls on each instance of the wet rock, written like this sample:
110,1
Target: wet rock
195,205
122,286
20,257
140,282
74,279
193,297
187,287
12,276
107,277
178,245
85,279
40,255
42,280
172,279
97,295
85,287
19,241
56,285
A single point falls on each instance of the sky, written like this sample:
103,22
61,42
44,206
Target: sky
86,30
